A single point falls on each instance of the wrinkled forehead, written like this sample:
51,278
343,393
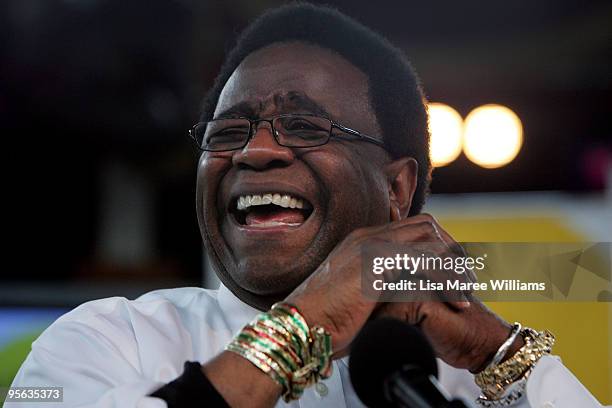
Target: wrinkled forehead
297,77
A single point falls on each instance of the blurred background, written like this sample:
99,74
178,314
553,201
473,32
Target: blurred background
96,97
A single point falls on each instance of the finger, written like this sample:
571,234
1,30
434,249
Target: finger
460,251
423,228
453,245
414,231
459,304
418,227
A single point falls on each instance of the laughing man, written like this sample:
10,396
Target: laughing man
314,142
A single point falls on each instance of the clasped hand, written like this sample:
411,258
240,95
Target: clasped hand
464,333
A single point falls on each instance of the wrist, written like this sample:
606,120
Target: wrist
229,369
316,316
506,380
518,343
498,335
281,344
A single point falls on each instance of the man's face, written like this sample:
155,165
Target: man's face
268,250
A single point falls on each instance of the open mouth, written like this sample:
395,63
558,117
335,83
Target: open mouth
271,210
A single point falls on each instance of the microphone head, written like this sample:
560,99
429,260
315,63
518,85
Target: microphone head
383,347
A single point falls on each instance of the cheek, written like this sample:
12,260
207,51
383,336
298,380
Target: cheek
211,170
212,167
355,186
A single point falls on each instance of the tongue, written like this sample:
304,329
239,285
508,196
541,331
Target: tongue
281,216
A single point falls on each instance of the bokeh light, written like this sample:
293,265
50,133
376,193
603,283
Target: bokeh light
493,136
445,127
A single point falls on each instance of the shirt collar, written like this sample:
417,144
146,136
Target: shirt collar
236,312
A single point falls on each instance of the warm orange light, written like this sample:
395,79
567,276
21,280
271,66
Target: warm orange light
445,127
493,136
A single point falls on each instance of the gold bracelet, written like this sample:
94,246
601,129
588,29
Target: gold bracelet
281,344
494,380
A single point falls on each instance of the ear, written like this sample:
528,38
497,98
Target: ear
401,181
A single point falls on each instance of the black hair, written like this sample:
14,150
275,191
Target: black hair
395,92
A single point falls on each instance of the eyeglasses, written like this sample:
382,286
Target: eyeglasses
291,130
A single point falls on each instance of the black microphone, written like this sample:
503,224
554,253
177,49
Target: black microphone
393,365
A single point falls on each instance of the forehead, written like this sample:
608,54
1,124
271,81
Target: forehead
282,77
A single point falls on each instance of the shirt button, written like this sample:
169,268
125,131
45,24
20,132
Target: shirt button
548,405
321,389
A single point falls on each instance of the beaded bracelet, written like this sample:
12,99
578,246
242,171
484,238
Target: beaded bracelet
280,343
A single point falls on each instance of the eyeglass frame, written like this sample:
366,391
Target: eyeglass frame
254,122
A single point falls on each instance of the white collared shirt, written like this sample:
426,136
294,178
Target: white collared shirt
114,352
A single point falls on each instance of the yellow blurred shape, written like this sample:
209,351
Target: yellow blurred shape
582,329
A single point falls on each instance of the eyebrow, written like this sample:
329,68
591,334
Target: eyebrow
292,101
299,101
245,109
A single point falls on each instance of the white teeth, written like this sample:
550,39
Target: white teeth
285,201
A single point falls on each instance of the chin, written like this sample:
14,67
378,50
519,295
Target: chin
267,278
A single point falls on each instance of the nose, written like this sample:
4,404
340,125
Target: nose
263,151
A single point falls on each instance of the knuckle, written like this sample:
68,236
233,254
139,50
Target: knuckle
427,227
426,217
